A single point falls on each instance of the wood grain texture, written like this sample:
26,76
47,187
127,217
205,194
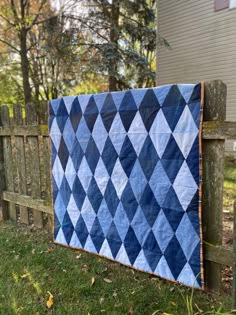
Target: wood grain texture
34,164
222,255
40,130
37,204
213,179
9,210
20,162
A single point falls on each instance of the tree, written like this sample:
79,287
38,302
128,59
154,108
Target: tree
99,43
124,37
55,59
17,18
10,84
45,43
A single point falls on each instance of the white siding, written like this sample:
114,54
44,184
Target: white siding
203,46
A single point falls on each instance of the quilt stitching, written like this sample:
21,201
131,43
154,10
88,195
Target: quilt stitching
125,176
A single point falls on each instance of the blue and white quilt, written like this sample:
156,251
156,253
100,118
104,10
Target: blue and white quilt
125,172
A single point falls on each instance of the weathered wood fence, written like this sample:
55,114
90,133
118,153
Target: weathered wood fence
25,165
25,173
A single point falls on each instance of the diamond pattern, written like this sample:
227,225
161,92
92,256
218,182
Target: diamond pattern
108,112
127,110
119,178
152,251
125,172
99,134
175,257
127,156
149,108
63,153
75,114
109,156
137,133
69,135
91,113
117,133
148,157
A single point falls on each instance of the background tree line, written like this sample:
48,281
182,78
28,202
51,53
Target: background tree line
84,46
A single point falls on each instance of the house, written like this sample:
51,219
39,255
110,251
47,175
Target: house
202,39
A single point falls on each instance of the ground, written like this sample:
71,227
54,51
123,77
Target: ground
32,267
229,199
229,183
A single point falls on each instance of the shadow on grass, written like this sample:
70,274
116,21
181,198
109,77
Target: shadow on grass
31,265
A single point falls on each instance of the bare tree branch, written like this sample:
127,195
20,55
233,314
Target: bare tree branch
10,45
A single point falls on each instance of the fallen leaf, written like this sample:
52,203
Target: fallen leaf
92,281
49,302
173,303
26,275
78,256
107,280
50,249
131,312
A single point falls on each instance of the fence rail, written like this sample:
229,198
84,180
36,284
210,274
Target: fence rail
25,165
26,185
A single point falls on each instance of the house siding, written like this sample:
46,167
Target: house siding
202,46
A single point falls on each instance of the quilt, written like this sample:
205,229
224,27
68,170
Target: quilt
126,177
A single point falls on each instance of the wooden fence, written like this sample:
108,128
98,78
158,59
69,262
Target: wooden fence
25,173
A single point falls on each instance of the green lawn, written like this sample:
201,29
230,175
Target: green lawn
229,184
81,283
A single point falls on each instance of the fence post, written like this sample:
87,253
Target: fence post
4,205
9,209
20,162
33,163
45,161
213,178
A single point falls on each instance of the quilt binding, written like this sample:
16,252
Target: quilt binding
199,209
200,187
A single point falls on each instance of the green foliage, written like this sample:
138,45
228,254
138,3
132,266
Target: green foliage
70,51
124,37
89,85
10,87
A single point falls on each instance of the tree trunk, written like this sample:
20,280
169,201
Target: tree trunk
114,37
25,66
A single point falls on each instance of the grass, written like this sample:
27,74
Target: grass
229,184
31,266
